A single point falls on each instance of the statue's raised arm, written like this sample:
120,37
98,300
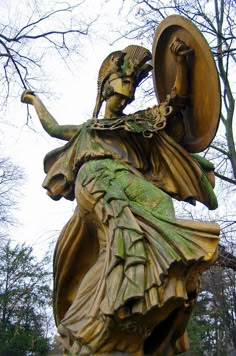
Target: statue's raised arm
50,125
180,51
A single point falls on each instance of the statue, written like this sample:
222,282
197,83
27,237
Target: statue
126,271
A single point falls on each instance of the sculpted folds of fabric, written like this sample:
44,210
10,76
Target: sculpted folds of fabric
123,256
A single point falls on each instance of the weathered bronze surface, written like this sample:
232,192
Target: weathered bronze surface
202,110
126,271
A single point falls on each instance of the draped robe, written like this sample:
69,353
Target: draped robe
125,268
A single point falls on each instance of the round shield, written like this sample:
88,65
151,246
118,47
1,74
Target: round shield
202,111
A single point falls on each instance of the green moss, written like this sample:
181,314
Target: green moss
203,162
213,204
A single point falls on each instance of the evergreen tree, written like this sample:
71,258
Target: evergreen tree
24,298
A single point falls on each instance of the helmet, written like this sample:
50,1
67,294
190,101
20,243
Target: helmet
122,71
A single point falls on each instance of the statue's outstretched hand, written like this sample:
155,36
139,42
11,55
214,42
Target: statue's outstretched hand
180,50
28,97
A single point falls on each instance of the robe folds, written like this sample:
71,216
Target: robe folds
124,267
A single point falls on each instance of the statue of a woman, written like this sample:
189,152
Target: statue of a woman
126,271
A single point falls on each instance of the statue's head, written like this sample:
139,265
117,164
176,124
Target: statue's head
120,74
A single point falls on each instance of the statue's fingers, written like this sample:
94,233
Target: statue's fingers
24,95
186,52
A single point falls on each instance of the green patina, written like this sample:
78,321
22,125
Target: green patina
124,188
208,188
126,67
120,245
204,163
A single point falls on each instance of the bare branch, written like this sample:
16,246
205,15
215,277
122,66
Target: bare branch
226,259
225,178
57,29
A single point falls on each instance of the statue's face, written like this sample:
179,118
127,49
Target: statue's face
115,105
122,94
124,86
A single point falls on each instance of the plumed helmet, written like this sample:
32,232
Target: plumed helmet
130,62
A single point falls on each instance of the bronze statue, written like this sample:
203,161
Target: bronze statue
126,271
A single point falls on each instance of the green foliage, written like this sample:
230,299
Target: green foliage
212,328
195,332
24,298
19,341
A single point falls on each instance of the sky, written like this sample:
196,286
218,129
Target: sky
39,218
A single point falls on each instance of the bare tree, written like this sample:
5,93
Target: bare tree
30,33
11,178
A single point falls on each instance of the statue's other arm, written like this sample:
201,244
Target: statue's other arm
50,125
179,51
180,91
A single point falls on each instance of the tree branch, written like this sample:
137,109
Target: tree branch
227,179
226,259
